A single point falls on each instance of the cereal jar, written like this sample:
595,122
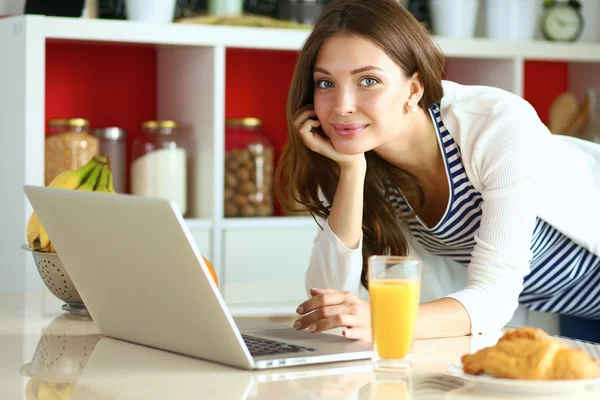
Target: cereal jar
69,145
249,158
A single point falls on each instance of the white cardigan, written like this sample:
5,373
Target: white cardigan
522,172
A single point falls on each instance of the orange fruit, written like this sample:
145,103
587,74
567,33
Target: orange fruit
212,271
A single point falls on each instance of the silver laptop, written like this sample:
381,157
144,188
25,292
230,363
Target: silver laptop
143,280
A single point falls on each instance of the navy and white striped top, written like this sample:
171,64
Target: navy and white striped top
564,277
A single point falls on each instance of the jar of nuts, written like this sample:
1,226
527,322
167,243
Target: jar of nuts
249,158
69,145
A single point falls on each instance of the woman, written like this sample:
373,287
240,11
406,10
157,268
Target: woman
392,158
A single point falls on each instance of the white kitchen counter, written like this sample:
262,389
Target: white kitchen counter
40,343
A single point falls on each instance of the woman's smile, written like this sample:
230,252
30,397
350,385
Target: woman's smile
349,130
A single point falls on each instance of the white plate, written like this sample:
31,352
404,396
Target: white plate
522,386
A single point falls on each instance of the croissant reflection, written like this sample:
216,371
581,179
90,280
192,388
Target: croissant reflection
529,353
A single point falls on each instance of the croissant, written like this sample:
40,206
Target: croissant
529,353
526,332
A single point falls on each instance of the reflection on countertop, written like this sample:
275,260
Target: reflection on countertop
62,356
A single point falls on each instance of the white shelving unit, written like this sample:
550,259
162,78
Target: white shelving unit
261,262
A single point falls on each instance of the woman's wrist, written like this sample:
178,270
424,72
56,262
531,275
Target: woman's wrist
345,218
356,167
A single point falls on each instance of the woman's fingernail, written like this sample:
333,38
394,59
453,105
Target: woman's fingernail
312,328
344,333
297,324
299,310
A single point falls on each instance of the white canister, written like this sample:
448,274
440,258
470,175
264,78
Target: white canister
150,10
511,19
163,174
159,166
454,18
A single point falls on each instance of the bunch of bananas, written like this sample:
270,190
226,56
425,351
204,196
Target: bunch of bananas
95,176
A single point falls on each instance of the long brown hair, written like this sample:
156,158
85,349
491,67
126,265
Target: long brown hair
302,173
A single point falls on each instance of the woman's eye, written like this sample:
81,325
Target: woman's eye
368,81
323,84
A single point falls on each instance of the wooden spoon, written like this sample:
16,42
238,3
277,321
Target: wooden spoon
581,119
563,111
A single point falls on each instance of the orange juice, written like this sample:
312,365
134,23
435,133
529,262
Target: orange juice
394,306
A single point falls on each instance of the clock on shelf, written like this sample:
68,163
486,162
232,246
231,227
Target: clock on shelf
562,21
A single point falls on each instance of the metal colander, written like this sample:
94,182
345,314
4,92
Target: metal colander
63,350
55,277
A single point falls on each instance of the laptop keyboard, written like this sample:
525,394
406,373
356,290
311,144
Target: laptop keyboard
264,347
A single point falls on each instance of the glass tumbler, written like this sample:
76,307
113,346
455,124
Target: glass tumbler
394,291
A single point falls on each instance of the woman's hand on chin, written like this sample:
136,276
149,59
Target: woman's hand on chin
312,135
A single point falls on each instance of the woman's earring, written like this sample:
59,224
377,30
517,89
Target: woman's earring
412,106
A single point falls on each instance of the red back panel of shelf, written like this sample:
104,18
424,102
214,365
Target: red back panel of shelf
257,84
544,80
111,85
115,85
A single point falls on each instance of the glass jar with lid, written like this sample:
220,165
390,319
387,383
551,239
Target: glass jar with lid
249,159
159,163
112,144
68,145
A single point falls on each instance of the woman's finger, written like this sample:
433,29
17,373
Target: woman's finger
303,115
317,143
322,300
312,140
315,291
319,314
306,130
340,320
357,333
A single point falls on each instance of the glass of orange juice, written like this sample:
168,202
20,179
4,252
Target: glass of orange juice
394,290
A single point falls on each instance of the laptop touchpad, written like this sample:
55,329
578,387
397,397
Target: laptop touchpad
246,324
292,334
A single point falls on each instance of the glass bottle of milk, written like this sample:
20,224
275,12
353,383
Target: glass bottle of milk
159,163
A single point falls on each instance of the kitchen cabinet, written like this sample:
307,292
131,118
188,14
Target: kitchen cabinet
123,72
264,267
202,236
